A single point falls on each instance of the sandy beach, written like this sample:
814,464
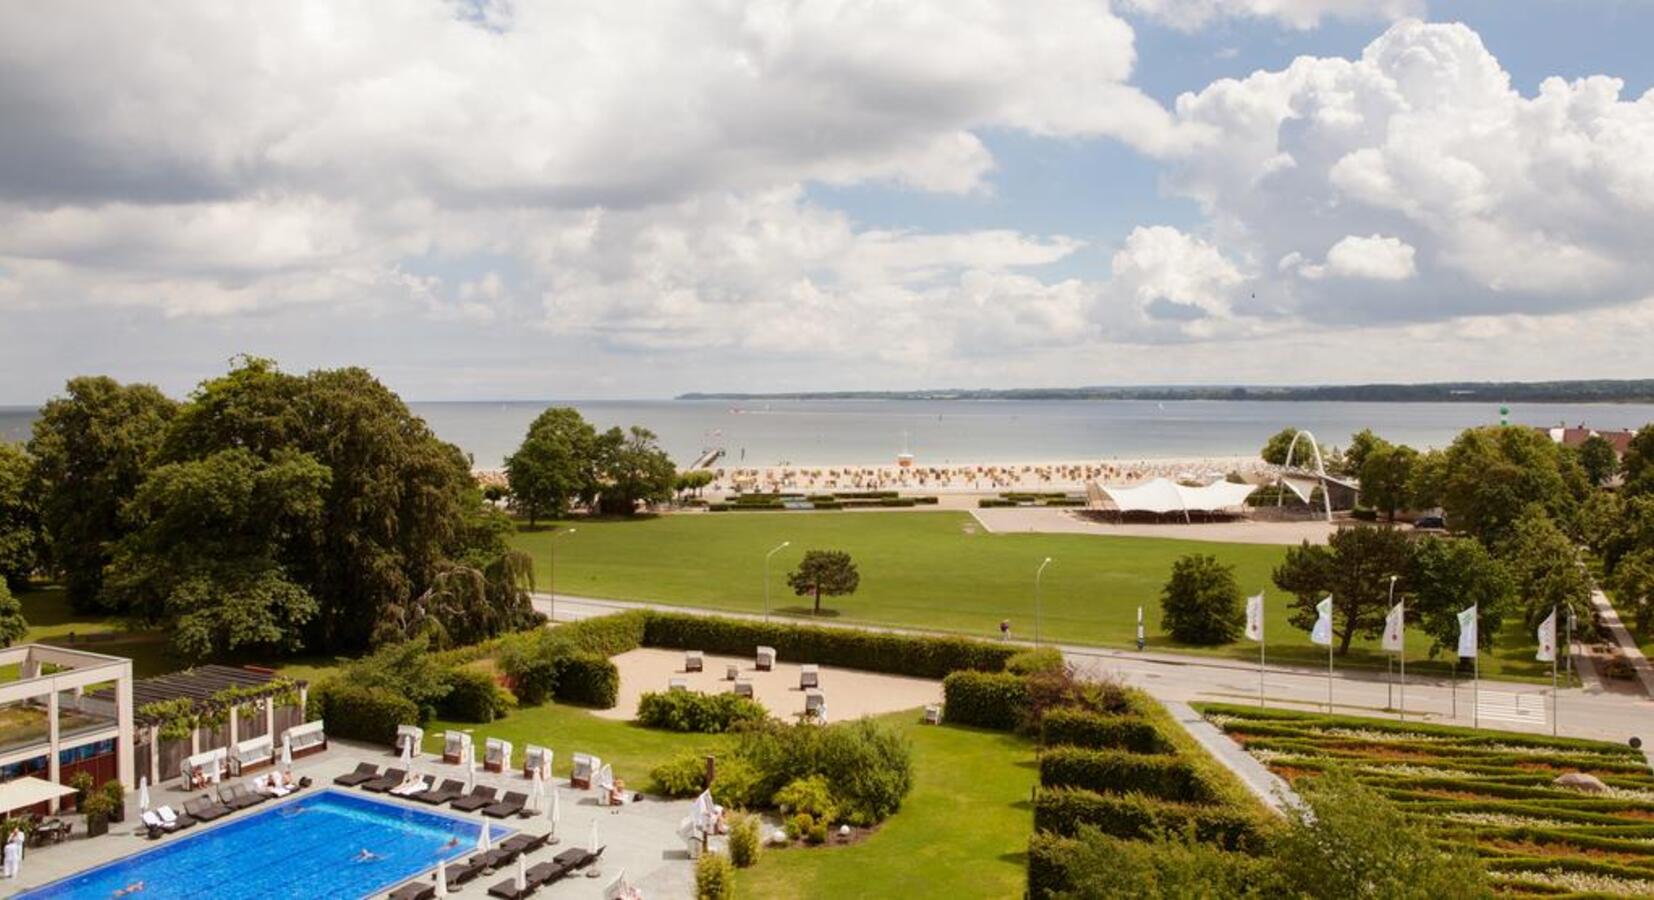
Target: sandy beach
1069,476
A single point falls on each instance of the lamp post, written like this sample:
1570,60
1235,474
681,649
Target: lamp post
551,575
778,548
1037,573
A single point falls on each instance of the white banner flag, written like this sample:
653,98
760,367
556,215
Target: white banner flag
1393,628
1322,632
1254,617
1467,633
1547,639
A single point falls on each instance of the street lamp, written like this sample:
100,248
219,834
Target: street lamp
778,548
1037,573
551,575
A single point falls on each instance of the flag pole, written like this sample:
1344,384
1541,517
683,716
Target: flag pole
1553,670
1260,673
1403,654
1476,670
1329,669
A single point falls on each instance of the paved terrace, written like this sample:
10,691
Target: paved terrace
641,838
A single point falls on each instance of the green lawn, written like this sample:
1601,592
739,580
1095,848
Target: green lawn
940,571
962,832
52,621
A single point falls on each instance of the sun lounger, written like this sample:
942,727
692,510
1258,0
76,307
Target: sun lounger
173,819
237,797
493,859
204,809
383,783
509,890
577,858
451,789
409,788
461,872
365,772
414,890
542,874
153,825
510,805
526,843
479,797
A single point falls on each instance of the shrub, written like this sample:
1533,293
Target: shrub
473,696
714,877
985,699
810,795
693,711
736,784
1117,771
1048,856
362,713
798,826
1039,659
1061,689
588,678
1201,603
1136,816
922,657
1167,866
868,765
683,776
1081,728
608,635
530,668
817,833
744,841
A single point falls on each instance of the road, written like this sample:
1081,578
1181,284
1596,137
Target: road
1582,712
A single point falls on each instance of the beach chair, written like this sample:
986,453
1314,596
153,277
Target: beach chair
694,661
809,676
364,772
413,890
385,782
732,672
496,755
815,706
933,714
451,789
677,684
205,809
479,797
585,769
742,688
765,659
509,805
411,736
453,746
536,757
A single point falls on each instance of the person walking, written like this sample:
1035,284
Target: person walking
14,853
1004,629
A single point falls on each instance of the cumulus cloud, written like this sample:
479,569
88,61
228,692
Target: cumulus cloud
1377,257
1191,14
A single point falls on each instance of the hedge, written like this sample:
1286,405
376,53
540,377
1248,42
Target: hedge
473,696
1038,659
1117,771
1048,864
1081,728
587,679
609,635
986,699
693,711
364,714
922,657
1137,816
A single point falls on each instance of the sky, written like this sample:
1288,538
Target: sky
486,199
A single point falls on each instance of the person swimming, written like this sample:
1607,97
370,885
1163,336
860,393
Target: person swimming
367,856
133,888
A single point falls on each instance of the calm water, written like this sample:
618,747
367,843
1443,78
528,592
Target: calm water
941,431
303,847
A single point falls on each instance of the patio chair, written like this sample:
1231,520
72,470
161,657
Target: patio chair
451,789
365,772
414,890
479,797
205,809
177,820
509,805
390,779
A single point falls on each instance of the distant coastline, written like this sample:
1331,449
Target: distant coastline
1583,391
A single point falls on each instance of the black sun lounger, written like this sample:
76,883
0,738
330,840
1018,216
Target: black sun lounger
364,772
450,790
542,874
237,797
390,779
203,809
461,872
479,797
508,889
526,843
577,858
414,890
510,805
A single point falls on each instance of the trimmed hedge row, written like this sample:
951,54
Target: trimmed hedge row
922,657
693,711
1164,776
1081,728
1048,856
585,678
996,700
359,713
1136,816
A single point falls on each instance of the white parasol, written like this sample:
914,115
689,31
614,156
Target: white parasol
143,794
483,845
287,755
442,879
469,762
555,814
522,874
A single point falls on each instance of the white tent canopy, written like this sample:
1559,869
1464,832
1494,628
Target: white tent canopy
1165,496
29,790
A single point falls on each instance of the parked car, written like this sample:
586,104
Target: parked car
1435,522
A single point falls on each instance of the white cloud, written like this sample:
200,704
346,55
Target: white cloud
1191,14
1377,257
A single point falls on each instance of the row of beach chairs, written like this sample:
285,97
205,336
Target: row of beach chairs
538,875
482,798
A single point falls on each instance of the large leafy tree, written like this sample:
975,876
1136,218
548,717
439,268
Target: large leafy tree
1638,462
21,540
1597,458
829,572
1354,566
12,624
1633,587
1362,444
1386,472
1450,574
1275,449
633,470
209,556
1547,565
556,466
1201,603
1492,475
92,447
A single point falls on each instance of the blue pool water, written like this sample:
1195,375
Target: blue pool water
300,847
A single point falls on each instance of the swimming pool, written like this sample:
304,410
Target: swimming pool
304,846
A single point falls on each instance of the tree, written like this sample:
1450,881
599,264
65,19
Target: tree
1201,603
1547,565
634,470
92,447
21,540
1493,474
208,556
829,572
1424,482
12,624
1637,465
556,466
692,482
1354,566
1275,449
1633,587
1449,574
1598,459
1385,474
1362,444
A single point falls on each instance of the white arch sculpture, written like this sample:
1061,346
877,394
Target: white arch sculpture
1320,470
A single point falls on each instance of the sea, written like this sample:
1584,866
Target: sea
939,432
